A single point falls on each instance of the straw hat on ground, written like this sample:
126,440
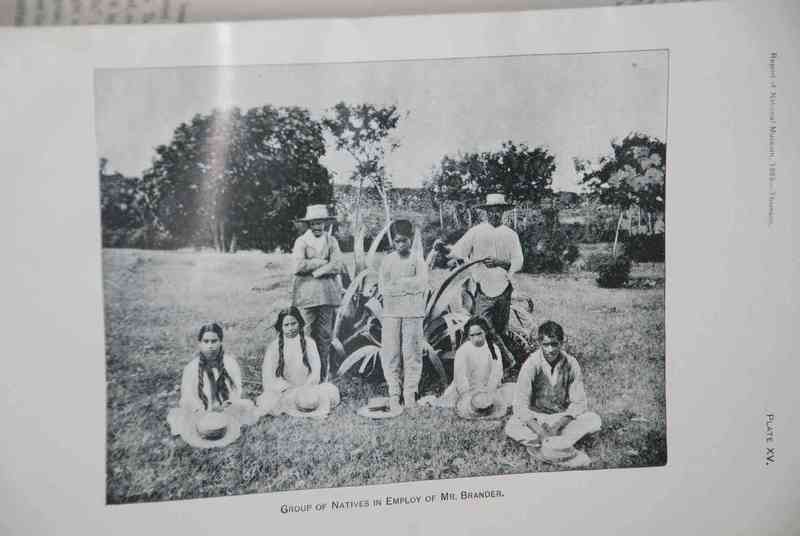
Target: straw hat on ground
306,401
559,451
481,404
378,408
204,429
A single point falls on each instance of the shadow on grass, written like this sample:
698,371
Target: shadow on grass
625,441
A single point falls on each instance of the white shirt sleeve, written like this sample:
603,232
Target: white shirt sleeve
516,253
463,248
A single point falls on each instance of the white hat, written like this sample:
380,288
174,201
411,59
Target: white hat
379,408
558,450
316,213
204,429
495,200
481,404
306,401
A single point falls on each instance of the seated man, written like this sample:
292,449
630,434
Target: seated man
549,399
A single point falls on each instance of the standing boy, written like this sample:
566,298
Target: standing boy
550,399
403,281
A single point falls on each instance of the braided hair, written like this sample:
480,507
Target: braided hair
282,314
221,387
482,323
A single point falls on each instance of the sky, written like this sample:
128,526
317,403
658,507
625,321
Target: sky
571,104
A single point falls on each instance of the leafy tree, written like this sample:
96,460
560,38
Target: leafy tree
239,180
521,173
363,131
123,212
634,175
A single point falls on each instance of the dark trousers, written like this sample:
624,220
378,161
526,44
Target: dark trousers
497,311
319,326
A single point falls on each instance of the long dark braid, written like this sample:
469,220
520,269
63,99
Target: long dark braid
293,312
221,387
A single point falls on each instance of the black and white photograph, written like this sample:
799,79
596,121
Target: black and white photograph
323,275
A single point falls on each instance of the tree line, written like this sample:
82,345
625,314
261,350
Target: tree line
234,179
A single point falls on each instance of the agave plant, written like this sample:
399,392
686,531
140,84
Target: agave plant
448,306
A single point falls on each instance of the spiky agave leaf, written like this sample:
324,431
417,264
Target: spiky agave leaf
359,262
348,309
366,361
365,352
374,246
521,317
374,306
433,357
338,346
468,299
446,291
435,332
455,326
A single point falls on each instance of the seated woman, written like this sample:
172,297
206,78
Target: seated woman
291,372
478,366
211,408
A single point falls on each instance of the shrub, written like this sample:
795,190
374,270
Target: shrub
614,274
575,232
645,248
546,249
600,226
449,235
594,261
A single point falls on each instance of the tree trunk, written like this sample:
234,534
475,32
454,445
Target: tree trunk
215,235
441,217
616,234
639,222
358,203
233,243
386,212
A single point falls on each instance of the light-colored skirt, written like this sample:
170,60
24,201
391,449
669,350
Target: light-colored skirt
450,396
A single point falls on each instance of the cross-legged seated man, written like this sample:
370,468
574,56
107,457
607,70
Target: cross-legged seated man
550,399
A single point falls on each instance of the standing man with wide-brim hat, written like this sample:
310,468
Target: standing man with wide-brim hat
316,289
500,248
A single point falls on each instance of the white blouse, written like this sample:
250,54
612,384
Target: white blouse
474,368
295,372
189,397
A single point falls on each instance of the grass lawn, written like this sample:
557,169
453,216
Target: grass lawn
156,301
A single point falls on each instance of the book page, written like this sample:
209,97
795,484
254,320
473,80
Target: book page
82,12
171,186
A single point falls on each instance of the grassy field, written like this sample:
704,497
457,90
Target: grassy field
155,301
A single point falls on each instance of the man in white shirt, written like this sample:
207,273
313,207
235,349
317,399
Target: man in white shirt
500,248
